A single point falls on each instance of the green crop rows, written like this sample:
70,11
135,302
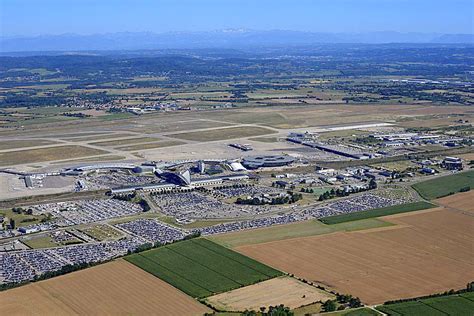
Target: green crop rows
443,186
201,268
459,305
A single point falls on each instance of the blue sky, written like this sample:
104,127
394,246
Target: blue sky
34,17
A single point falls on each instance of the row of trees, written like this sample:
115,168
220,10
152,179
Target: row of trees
344,301
469,288
340,193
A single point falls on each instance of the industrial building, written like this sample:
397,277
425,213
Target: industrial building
452,163
254,162
334,149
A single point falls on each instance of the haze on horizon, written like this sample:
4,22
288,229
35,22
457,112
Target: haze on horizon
32,18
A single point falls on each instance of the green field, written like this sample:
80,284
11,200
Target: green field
457,305
22,219
442,186
202,268
410,207
469,296
47,242
357,312
295,230
452,305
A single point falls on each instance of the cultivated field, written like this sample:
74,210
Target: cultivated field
46,154
459,201
301,229
410,207
383,263
443,186
202,268
114,288
459,305
223,133
284,290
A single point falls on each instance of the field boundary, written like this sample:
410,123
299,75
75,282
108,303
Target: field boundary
379,212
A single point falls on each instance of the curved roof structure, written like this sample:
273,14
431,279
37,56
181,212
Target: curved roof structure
267,161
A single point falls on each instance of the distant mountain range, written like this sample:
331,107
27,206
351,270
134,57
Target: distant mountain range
216,39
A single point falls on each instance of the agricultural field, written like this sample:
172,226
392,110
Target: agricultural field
382,264
223,133
295,230
114,288
46,154
283,290
442,186
458,201
458,305
359,312
202,268
403,208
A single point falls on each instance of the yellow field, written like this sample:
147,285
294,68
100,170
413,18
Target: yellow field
426,252
283,290
114,288
459,201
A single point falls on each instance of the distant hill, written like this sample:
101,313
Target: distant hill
454,39
215,39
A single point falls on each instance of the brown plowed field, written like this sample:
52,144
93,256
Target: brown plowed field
430,252
114,288
461,201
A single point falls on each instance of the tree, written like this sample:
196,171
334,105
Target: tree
12,223
329,306
470,287
279,310
355,302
